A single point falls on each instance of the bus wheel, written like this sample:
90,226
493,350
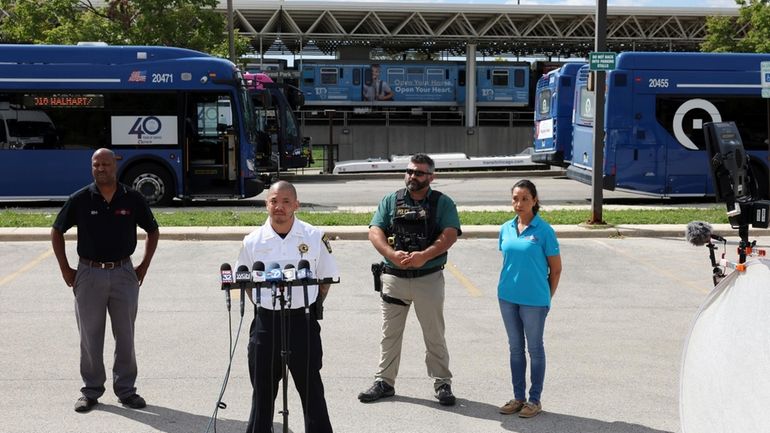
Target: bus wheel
153,182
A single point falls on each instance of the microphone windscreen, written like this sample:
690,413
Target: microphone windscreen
698,233
258,266
225,267
303,264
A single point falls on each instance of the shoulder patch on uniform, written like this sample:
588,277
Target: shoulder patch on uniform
325,240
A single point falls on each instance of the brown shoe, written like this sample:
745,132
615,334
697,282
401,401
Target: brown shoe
511,407
530,409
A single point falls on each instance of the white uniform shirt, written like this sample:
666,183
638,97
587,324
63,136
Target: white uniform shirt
302,242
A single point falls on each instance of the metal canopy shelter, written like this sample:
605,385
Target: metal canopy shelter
303,26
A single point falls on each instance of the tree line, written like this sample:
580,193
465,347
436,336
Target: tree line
195,24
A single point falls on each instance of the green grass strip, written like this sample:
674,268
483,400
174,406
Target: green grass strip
715,215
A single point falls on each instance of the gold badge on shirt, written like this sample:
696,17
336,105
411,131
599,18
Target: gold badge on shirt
303,249
325,240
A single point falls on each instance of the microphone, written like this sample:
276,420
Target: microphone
699,233
257,277
289,275
303,274
303,270
274,276
226,278
243,278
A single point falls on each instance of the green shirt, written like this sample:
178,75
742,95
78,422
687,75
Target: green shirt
446,216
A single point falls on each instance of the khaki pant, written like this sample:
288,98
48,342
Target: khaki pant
427,295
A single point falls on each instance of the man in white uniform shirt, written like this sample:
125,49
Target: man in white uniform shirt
284,239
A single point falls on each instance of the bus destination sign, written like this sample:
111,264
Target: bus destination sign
64,100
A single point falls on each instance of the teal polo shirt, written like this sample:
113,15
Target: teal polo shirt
524,276
446,216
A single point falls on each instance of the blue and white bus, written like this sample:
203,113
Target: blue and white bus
656,105
180,122
554,101
412,84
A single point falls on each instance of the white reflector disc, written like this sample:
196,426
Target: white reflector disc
725,377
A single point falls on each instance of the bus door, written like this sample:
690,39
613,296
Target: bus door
636,146
211,145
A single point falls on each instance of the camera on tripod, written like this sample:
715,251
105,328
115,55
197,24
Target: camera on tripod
734,182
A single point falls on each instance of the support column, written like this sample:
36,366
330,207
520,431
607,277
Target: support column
470,86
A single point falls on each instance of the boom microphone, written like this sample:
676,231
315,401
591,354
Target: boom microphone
226,278
243,278
699,233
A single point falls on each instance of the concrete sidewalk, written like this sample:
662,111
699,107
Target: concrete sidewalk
361,232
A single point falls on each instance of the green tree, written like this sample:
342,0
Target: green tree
190,24
754,15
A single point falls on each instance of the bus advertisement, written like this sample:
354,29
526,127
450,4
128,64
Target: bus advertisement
180,122
656,105
275,117
554,101
413,84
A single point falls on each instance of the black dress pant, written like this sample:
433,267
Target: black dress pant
304,364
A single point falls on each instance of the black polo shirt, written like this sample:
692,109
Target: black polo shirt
106,231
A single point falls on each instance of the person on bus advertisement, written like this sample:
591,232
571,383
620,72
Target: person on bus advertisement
528,280
377,89
106,214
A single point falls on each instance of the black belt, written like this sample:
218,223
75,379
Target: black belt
410,273
105,265
289,311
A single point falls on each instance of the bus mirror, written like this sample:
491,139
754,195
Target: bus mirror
591,81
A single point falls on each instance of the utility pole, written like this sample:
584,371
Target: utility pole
597,177
231,31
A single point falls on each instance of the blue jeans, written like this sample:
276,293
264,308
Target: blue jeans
521,321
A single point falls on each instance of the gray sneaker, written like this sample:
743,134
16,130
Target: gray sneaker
377,391
85,404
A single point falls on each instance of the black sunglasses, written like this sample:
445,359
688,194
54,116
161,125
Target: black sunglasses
418,173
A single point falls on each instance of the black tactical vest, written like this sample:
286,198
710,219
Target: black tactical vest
414,228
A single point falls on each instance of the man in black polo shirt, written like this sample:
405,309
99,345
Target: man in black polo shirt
106,214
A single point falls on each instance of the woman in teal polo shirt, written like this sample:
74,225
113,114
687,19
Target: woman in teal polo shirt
528,281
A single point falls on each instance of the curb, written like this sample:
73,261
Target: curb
357,233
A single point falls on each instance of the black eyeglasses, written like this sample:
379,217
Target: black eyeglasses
418,173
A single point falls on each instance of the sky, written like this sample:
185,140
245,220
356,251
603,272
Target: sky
611,3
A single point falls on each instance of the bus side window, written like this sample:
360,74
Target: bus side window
518,78
356,77
3,135
308,75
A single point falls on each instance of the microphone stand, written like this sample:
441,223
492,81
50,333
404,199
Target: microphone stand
717,273
285,352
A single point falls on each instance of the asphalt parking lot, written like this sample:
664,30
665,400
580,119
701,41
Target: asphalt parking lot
614,339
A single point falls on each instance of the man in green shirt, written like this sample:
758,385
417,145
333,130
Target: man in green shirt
413,229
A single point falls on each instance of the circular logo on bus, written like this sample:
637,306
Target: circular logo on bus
687,115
